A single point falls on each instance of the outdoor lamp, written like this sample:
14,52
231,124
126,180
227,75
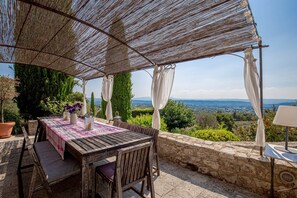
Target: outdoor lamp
286,116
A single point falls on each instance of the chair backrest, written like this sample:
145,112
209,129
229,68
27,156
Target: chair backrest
140,129
132,165
33,155
40,133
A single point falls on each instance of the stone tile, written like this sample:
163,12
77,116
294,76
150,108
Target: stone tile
188,190
162,188
168,179
172,194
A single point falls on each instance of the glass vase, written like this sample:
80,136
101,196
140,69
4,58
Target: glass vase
73,118
66,115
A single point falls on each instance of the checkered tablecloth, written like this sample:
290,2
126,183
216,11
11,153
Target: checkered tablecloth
59,131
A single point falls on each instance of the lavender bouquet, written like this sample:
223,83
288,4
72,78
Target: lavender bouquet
73,108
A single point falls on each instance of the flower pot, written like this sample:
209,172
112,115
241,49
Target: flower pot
6,129
73,118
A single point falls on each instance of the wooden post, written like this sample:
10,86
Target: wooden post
261,85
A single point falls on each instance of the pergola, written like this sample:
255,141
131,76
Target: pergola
89,39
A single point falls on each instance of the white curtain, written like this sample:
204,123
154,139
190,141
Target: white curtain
107,86
84,107
251,81
161,88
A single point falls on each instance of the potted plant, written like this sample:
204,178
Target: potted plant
7,93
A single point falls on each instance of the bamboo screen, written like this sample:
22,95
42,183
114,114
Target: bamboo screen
89,38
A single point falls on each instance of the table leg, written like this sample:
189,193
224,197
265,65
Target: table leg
84,179
272,178
92,180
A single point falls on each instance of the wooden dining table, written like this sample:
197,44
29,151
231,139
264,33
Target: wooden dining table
89,146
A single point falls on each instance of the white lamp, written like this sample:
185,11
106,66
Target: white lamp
286,116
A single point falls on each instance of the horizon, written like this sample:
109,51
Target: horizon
221,77
207,99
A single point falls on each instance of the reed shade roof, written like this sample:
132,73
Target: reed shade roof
89,39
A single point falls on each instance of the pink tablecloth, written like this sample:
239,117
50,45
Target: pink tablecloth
59,131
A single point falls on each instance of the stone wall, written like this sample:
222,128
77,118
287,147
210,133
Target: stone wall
232,163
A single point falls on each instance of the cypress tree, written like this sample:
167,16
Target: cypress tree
122,94
103,108
121,97
93,108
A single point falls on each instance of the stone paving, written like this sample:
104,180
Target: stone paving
174,181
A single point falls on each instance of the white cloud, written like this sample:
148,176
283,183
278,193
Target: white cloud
280,92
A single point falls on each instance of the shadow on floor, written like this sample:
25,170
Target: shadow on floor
174,180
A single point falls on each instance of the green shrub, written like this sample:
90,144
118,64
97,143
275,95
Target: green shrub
245,130
146,121
141,111
52,107
214,135
207,134
177,115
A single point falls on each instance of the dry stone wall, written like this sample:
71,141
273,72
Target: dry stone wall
234,164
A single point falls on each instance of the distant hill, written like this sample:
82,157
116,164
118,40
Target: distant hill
228,105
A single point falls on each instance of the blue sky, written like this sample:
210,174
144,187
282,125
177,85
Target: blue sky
222,76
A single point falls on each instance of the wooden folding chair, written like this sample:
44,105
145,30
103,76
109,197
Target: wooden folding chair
49,165
133,165
38,136
20,166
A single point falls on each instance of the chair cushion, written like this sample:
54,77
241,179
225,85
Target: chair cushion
55,168
107,171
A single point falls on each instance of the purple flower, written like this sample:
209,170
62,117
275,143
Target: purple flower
74,108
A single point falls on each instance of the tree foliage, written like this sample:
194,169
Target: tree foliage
225,120
7,92
93,107
243,116
37,84
75,97
177,115
103,108
142,111
207,120
273,133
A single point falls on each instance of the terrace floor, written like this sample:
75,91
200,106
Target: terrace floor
174,181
